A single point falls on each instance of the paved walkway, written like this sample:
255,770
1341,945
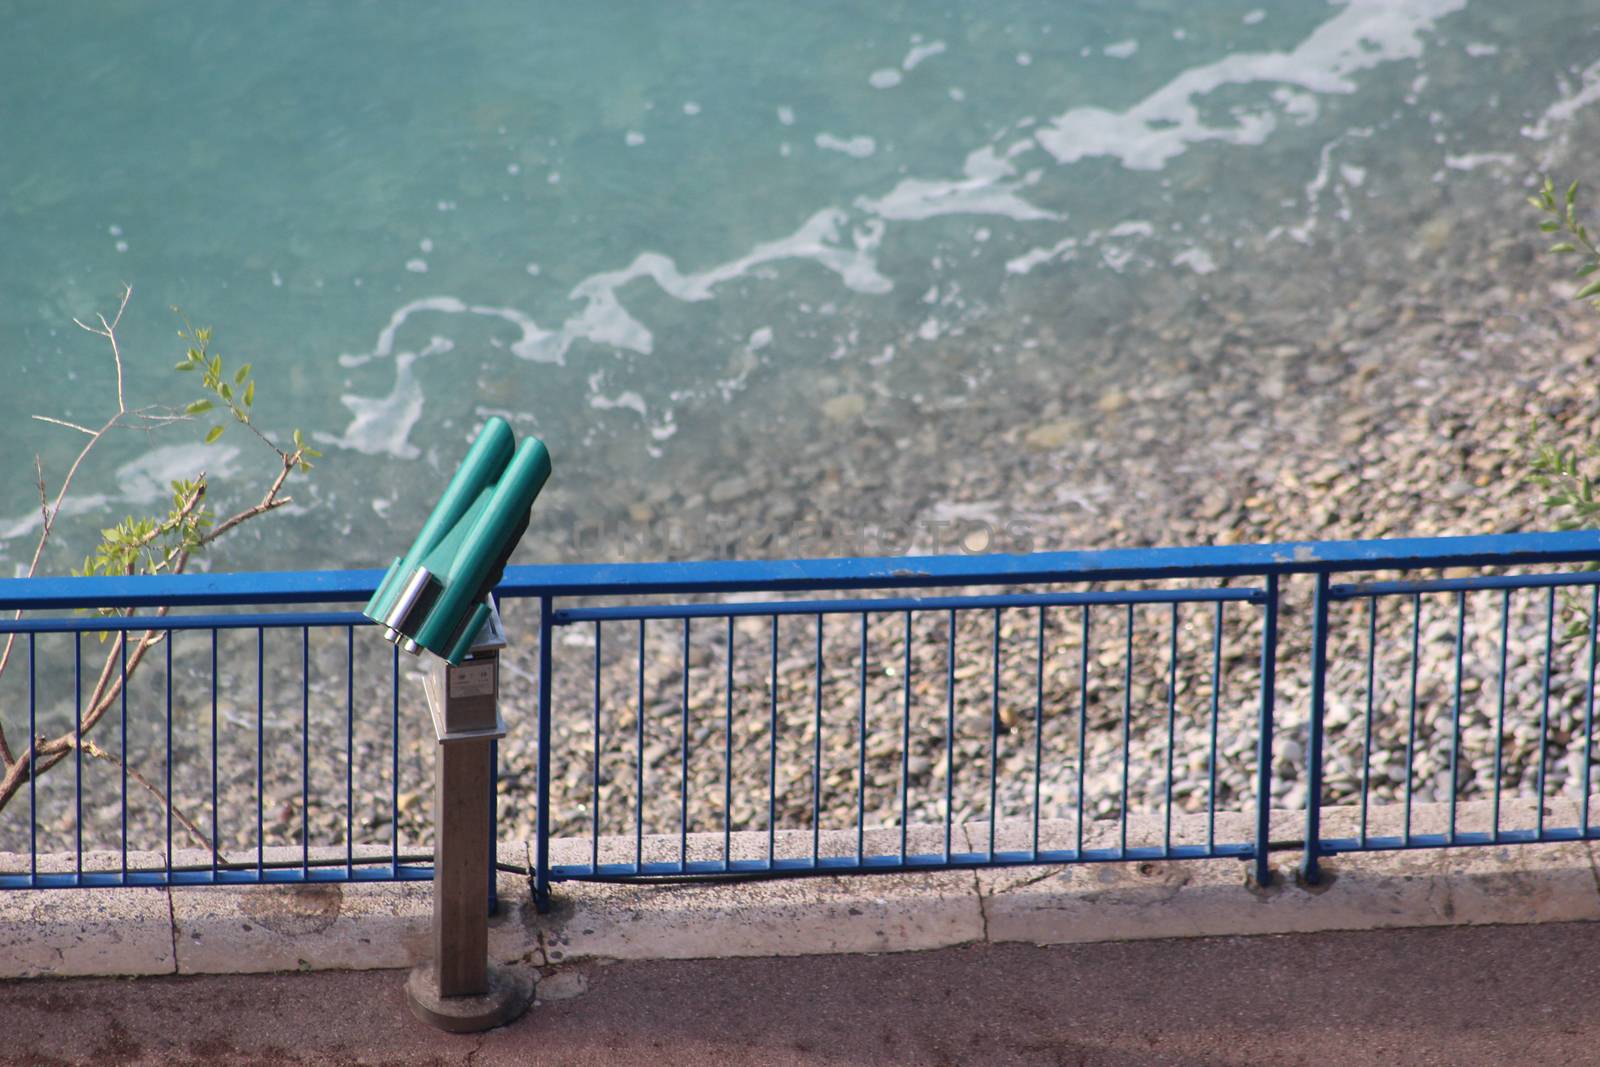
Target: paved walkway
1490,995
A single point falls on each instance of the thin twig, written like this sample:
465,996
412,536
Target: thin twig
108,330
177,813
269,501
64,422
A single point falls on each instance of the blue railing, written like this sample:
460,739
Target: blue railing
759,719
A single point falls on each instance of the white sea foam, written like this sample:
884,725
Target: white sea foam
1160,127
920,53
860,146
984,189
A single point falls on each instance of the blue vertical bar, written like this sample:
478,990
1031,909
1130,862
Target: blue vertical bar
1127,733
1500,710
772,746
1544,705
1172,719
949,733
1038,730
683,779
861,750
122,648
305,752
905,742
77,753
168,760
350,752
1269,670
1211,760
994,735
216,838
1588,705
1366,732
727,753
816,756
994,738
638,768
33,768
1411,715
1455,709
594,800
261,797
541,832
1083,726
1319,693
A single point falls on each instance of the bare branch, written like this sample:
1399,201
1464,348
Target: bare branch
44,503
108,330
268,501
51,513
64,422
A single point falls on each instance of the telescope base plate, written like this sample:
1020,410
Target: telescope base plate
510,993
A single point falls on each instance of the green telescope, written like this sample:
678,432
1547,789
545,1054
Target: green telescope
436,595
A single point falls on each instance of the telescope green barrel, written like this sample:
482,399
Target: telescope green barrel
433,597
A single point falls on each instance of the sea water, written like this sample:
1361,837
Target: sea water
621,225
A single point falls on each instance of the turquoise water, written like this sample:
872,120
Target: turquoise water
627,226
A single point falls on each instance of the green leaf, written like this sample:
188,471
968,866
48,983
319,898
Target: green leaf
1587,269
1549,225
241,374
184,365
1592,289
1572,193
298,441
198,407
216,432
1564,246
226,391
250,394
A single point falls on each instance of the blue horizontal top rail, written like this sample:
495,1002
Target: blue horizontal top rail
884,572
122,623
568,616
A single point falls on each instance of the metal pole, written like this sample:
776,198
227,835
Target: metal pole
458,990
541,833
1269,665
1319,681
461,868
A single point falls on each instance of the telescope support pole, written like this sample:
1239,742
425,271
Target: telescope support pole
458,990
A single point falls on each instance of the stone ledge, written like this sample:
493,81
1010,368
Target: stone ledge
83,932
201,930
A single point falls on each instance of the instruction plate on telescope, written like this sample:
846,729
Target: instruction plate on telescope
472,680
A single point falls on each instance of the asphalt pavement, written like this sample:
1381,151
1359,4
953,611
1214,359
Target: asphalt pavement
1503,995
